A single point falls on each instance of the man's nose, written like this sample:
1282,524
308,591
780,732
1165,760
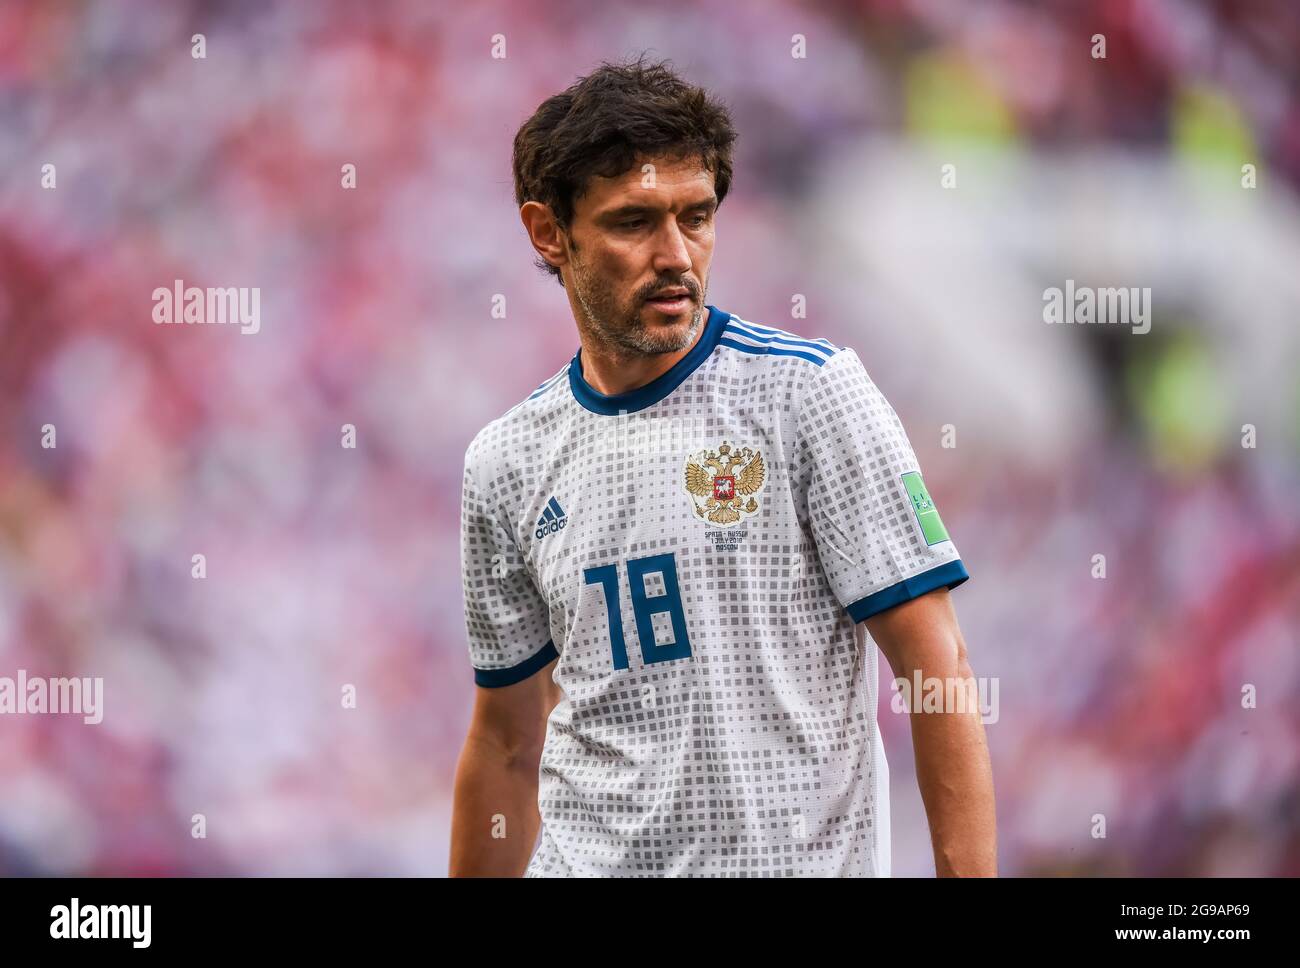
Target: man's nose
671,254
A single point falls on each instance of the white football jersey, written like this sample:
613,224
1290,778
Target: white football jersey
699,554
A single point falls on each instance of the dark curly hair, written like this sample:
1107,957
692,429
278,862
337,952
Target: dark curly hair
604,121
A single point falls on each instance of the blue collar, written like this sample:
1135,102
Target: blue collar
660,386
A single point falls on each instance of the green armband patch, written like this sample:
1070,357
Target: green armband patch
926,513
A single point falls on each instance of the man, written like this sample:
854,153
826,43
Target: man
671,549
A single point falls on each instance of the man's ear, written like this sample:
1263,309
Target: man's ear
544,232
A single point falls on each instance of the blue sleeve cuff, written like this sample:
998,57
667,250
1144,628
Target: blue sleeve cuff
948,575
496,678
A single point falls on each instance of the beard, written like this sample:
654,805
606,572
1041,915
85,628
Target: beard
621,328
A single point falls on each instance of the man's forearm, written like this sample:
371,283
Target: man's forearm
494,820
956,782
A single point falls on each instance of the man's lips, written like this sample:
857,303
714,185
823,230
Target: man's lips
671,304
672,298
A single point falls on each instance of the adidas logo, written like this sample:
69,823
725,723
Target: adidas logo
552,520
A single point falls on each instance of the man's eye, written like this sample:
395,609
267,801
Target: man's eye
631,223
699,221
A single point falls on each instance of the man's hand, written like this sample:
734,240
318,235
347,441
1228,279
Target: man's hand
952,758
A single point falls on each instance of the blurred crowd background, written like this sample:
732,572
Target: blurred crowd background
1120,697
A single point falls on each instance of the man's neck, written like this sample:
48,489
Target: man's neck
613,370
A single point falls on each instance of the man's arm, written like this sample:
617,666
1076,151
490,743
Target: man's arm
952,757
496,778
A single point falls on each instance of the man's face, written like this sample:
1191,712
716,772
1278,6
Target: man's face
638,236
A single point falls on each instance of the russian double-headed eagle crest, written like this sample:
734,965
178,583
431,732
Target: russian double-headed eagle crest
719,482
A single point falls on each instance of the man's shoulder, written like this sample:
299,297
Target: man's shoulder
784,361
813,374
777,345
518,430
